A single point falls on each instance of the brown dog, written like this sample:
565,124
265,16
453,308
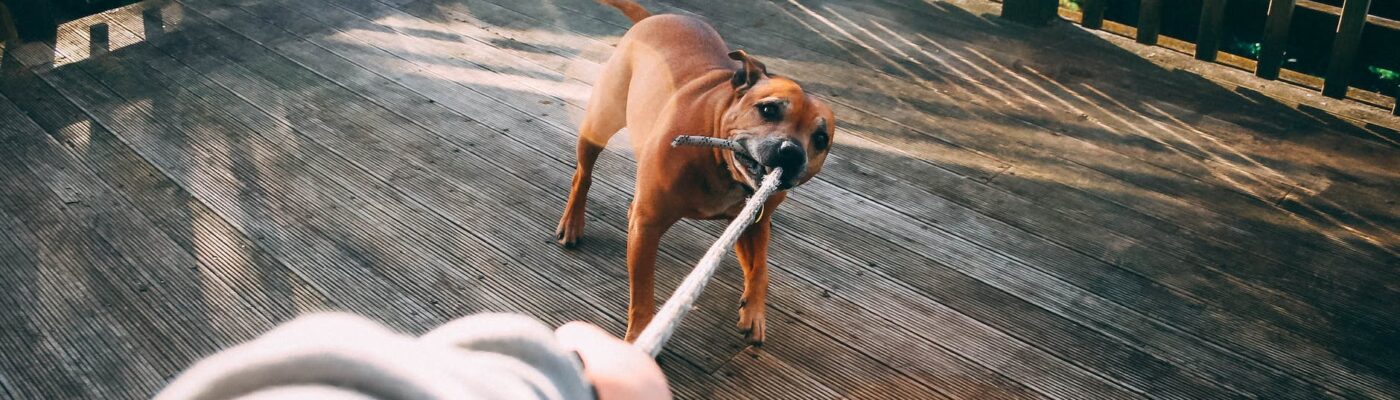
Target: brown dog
670,76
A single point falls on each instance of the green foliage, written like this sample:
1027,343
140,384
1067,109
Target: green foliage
1385,74
1250,49
1072,5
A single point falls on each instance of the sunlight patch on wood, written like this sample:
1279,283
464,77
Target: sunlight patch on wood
80,137
104,32
920,49
916,149
221,273
1260,189
472,76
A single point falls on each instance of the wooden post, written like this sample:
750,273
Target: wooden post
1395,109
1208,36
1149,22
1030,12
1275,39
7,24
1093,13
35,20
1348,37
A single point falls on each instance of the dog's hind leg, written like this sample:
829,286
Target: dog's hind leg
607,110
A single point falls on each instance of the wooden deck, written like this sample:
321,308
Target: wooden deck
1008,212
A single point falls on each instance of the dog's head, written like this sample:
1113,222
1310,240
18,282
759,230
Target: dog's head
778,123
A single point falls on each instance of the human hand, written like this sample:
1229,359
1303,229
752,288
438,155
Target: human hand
618,370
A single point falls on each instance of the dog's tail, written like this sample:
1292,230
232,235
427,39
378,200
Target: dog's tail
630,8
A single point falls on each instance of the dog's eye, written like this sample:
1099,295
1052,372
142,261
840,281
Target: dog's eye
820,140
770,111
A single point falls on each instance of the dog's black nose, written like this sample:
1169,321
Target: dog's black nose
781,153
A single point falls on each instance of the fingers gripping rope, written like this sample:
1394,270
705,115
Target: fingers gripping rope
669,317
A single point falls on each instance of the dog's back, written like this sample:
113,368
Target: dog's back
659,56
684,44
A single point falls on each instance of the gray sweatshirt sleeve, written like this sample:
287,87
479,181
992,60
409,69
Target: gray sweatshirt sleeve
342,356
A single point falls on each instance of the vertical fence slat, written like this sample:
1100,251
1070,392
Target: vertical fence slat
1275,39
1395,109
7,25
1349,29
1093,13
1208,36
1149,21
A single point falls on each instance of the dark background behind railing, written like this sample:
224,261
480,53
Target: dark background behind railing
37,20
1377,66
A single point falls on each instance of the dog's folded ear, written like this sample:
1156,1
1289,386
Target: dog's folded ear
746,76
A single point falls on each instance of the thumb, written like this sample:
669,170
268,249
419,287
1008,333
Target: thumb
617,369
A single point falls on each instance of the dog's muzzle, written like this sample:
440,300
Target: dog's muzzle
779,152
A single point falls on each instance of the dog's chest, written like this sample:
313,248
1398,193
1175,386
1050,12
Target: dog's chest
722,205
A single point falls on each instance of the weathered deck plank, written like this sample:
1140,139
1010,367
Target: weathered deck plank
73,267
52,364
477,9
972,237
1221,256
602,172
53,346
565,145
458,206
959,48
512,167
149,131
1034,145
1381,305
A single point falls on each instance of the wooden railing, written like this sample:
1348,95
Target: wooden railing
38,20
1340,65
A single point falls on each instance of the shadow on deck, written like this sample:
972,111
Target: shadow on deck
1008,212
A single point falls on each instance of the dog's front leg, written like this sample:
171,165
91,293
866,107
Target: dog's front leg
644,230
752,251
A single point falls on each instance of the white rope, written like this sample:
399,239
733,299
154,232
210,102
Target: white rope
669,317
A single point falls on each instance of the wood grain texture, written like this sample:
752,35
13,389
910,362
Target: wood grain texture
914,179
997,220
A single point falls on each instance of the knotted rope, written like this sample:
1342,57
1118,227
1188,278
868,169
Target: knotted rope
669,317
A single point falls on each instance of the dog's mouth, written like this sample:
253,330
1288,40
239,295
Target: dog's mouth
751,169
754,171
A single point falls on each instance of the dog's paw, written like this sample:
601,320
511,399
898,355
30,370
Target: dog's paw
568,232
752,324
